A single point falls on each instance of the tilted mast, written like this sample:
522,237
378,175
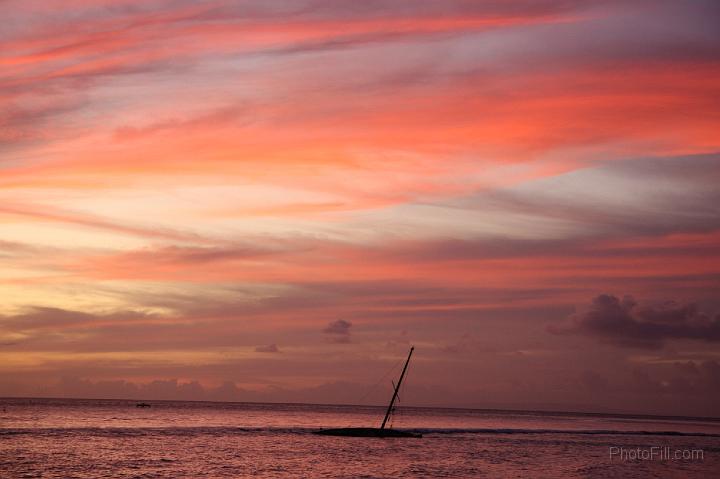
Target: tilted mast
397,388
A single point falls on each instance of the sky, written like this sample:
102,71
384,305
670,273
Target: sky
271,201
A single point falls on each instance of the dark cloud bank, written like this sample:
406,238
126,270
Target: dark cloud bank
624,322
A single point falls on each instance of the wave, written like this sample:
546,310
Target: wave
225,430
599,432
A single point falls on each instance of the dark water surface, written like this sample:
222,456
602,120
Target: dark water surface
64,438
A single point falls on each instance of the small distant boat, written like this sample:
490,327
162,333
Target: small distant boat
381,431
142,404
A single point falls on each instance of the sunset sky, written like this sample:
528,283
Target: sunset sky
271,200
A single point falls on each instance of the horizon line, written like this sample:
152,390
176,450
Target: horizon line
490,409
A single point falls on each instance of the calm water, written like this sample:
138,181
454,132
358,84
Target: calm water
112,438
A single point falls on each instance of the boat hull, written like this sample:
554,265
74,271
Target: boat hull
366,432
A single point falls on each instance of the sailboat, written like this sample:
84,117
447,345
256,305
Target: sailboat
381,431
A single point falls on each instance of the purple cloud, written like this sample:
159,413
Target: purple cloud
339,331
625,323
270,348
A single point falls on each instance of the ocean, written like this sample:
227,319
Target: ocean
75,438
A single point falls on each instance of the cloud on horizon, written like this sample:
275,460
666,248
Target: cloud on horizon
626,323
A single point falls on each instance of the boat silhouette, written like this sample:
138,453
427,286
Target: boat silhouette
381,431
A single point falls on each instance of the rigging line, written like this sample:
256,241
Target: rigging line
374,387
377,383
397,410
403,389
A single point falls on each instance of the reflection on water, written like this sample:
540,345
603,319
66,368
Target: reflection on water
94,438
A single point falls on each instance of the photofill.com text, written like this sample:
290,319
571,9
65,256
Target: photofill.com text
655,453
